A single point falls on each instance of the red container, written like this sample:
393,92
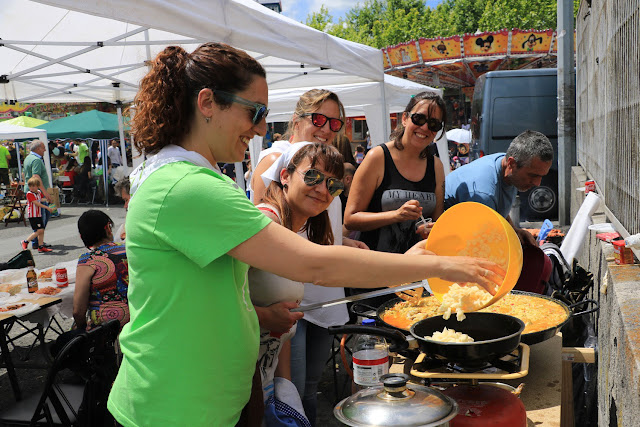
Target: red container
61,278
589,186
622,254
486,405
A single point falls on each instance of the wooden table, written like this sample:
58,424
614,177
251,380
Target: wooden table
6,322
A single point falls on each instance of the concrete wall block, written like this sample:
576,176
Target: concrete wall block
617,324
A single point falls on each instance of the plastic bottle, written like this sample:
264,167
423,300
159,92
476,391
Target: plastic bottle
633,242
32,278
370,358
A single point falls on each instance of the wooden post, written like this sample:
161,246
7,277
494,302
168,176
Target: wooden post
571,355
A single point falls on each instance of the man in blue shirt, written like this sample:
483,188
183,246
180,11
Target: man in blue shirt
494,180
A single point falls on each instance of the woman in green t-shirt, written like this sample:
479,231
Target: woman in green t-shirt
191,345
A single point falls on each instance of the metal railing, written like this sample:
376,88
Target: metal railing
608,103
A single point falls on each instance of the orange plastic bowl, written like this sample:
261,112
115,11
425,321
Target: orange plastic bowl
473,229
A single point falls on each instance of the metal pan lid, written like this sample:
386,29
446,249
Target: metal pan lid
396,403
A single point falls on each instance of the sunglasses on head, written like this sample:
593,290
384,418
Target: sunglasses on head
260,110
420,119
319,120
314,177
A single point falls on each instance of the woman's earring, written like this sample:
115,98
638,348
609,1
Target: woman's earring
207,119
285,186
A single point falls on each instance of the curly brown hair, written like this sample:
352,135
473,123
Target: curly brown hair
436,102
319,226
166,100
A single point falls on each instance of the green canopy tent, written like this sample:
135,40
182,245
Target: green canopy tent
92,124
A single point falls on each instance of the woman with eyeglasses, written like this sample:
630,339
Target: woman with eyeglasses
319,118
400,180
304,180
191,346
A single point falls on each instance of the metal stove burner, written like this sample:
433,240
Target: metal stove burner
514,365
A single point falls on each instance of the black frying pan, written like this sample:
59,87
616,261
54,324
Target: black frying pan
530,338
540,336
496,335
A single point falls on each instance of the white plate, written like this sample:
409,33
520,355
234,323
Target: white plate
3,296
602,228
28,307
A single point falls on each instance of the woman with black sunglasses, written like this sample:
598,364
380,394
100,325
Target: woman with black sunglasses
400,180
318,118
191,346
303,182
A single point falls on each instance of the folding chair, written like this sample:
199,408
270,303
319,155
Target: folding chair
66,191
47,407
16,203
91,356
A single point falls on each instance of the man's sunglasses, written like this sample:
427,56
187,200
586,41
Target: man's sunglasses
260,110
319,120
314,177
420,119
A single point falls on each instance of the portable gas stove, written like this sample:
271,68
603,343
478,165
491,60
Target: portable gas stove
421,366
481,397
512,366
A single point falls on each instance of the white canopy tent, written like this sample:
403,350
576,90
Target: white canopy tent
8,131
79,51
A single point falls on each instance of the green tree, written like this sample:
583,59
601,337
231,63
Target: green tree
322,20
381,23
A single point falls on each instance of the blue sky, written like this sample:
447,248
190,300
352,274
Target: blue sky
299,9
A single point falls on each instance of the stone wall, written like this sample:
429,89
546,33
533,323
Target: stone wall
617,290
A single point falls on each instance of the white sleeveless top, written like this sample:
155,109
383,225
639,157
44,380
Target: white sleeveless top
337,314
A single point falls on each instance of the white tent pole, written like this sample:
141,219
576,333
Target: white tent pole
240,176
124,67
47,159
123,149
104,145
385,111
443,151
147,48
105,43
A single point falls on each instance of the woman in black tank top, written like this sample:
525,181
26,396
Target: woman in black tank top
400,180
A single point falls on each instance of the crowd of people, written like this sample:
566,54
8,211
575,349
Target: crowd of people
203,263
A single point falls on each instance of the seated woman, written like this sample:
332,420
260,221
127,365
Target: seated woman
70,170
304,182
102,276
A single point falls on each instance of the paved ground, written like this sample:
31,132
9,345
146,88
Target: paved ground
62,235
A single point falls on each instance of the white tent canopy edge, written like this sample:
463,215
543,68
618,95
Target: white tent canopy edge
8,131
294,55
